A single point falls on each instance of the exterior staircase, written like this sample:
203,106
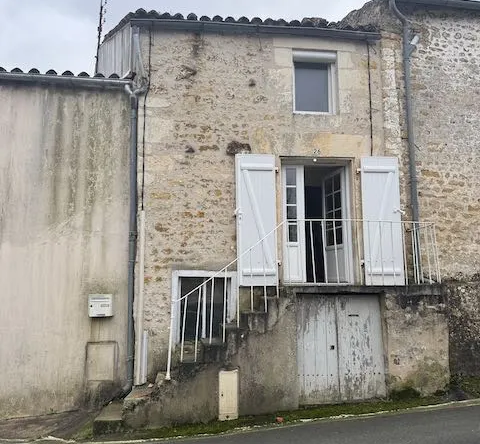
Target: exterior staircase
210,357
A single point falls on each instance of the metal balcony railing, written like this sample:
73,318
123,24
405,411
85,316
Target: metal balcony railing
314,252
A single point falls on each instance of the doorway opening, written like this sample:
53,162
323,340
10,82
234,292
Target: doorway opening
318,230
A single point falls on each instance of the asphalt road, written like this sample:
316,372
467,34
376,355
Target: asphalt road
452,425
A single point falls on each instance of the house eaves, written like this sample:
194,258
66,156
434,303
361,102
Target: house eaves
453,4
66,79
308,27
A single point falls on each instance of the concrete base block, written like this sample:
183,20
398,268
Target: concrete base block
110,419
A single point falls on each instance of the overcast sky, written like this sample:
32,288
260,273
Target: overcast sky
61,34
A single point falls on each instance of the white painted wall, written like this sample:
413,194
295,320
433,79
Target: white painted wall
63,235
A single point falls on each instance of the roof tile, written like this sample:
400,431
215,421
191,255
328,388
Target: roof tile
52,72
308,22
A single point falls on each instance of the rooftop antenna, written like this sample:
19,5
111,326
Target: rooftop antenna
101,22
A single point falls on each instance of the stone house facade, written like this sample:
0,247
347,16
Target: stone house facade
279,261
226,97
445,85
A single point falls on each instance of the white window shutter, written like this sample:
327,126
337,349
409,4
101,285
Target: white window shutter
382,228
256,219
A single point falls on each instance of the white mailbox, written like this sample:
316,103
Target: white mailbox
100,305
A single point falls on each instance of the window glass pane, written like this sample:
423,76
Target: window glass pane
328,203
338,200
330,238
339,234
291,195
311,87
291,174
292,233
336,182
291,212
328,186
338,214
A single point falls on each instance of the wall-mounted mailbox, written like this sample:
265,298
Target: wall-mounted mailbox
100,305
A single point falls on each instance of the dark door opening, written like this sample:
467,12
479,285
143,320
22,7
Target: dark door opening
323,200
313,233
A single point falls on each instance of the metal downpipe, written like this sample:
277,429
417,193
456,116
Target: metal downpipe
407,50
132,232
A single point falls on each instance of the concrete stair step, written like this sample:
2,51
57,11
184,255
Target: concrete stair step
255,321
160,379
190,359
259,297
189,347
260,303
213,351
138,395
110,419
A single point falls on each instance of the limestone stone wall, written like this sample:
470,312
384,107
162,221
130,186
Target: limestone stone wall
446,92
210,90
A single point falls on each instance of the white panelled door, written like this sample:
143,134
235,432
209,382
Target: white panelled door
294,264
382,230
335,233
256,219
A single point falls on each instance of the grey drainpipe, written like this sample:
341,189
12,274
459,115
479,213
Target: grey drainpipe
132,230
407,51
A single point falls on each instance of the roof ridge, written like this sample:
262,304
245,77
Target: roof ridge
306,22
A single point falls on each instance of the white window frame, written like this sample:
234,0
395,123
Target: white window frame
330,59
178,274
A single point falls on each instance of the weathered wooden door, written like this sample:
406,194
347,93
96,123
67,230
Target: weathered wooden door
360,348
340,351
317,355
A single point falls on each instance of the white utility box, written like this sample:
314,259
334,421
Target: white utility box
100,305
228,395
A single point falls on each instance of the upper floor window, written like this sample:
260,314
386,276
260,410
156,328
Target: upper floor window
314,81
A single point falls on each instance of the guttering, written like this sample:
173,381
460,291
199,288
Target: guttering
66,81
248,28
454,4
407,51
132,231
